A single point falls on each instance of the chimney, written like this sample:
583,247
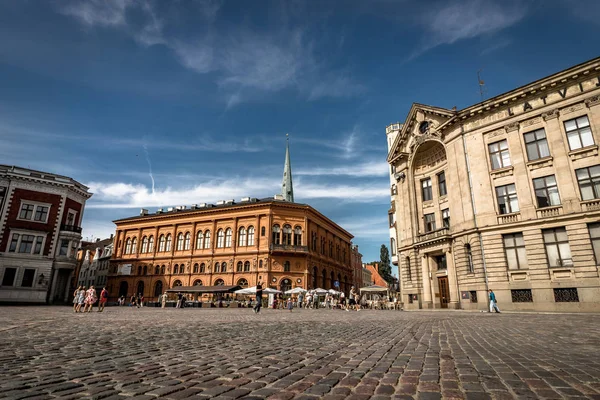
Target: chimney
111,235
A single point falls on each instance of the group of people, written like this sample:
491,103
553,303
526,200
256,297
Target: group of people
87,298
312,300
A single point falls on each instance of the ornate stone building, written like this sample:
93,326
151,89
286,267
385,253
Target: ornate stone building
502,195
274,241
40,230
94,259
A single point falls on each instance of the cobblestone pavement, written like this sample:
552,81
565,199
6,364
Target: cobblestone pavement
149,353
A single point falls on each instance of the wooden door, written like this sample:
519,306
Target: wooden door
444,291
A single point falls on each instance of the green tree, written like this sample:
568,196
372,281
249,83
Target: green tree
385,269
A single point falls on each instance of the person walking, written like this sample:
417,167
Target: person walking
75,298
80,299
90,299
290,304
103,299
179,300
300,299
259,293
164,300
351,299
357,300
493,303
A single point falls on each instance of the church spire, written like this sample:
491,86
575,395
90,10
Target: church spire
287,190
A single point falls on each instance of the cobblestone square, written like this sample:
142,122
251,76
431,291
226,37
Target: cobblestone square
149,353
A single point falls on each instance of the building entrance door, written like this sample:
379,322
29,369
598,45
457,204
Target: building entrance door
444,291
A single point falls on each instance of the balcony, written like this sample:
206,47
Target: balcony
70,228
288,248
434,236
549,212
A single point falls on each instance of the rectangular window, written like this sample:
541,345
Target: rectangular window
507,199
446,218
13,243
441,262
64,248
442,184
546,191
41,214
589,182
566,295
521,296
514,248
391,219
426,190
595,237
26,211
26,243
579,133
71,218
394,189
408,271
28,277
9,276
429,222
537,145
557,247
37,249
473,296
499,156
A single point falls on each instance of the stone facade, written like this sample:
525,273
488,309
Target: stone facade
502,195
276,242
357,266
95,263
40,219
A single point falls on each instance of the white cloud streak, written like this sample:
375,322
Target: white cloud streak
367,169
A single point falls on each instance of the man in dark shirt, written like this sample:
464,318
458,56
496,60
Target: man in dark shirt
259,293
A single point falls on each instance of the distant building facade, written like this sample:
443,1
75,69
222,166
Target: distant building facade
40,231
356,261
502,195
367,278
95,263
375,276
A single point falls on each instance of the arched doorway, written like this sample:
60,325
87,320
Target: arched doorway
158,288
140,288
324,279
314,277
285,285
123,289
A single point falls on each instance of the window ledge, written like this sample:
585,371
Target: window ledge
428,203
443,199
588,151
501,172
540,163
590,205
561,273
509,218
518,275
548,212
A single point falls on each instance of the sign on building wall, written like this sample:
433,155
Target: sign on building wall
124,269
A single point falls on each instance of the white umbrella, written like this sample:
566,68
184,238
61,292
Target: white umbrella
296,291
331,291
252,290
320,291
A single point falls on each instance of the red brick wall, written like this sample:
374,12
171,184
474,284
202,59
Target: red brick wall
377,279
15,207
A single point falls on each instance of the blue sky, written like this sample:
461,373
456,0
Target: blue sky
195,97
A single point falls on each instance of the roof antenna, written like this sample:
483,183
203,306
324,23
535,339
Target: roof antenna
482,88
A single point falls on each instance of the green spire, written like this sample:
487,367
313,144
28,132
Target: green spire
287,190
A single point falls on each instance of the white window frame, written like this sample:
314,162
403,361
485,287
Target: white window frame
74,212
35,205
20,232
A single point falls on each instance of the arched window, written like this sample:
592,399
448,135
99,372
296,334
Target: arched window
202,268
219,282
207,240
168,244
247,266
285,285
145,270
197,282
223,267
297,236
180,241
144,244
286,266
162,269
240,266
158,288
287,235
134,246
276,238
140,288
469,254
243,283
220,238
157,270
217,267
250,236
408,271
199,240
228,233
242,237
262,231
176,269
161,243
139,270
128,246
186,244
151,244
196,268
177,283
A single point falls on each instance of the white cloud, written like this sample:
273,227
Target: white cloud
98,12
366,227
338,86
366,169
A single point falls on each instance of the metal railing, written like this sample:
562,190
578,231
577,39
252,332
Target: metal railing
288,247
70,228
433,234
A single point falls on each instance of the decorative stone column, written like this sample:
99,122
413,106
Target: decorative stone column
454,302
426,302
